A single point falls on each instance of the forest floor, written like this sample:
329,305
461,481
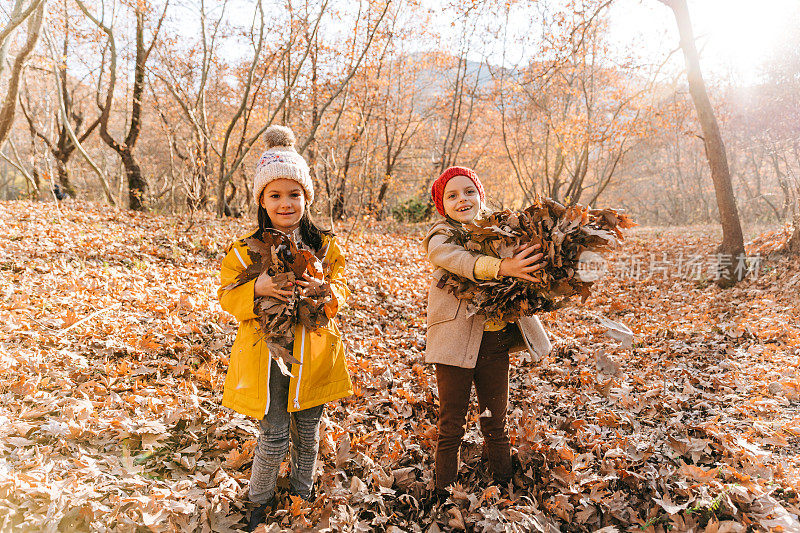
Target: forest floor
113,351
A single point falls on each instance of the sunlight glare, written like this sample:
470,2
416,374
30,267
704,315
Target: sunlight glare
741,33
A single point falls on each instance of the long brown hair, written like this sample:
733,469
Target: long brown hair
311,234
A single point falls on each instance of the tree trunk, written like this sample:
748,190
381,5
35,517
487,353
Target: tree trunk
793,244
64,178
36,194
731,250
137,186
378,207
337,211
37,180
8,110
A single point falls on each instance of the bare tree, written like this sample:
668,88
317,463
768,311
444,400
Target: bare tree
776,117
371,31
236,139
34,15
189,86
731,249
460,110
362,109
61,146
137,185
401,120
19,14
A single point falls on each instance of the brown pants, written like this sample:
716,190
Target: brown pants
490,376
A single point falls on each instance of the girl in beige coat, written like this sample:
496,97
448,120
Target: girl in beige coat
470,349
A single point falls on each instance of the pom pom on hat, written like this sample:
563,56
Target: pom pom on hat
279,136
437,188
281,161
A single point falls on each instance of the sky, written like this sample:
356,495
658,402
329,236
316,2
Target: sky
735,37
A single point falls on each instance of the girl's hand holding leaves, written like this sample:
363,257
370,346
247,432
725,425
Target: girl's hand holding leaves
309,284
522,264
273,287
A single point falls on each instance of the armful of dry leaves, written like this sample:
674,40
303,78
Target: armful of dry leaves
564,233
280,258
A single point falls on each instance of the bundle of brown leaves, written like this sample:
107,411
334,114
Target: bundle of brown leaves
567,236
280,258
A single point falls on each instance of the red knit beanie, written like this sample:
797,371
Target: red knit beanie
437,189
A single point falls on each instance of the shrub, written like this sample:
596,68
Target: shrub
415,209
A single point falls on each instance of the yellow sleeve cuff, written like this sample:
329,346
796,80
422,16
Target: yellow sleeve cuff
487,267
494,325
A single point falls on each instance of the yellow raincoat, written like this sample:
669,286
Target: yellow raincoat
322,375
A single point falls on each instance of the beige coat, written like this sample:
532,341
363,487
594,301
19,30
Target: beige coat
453,337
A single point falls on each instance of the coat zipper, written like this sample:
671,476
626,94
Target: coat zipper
303,350
300,372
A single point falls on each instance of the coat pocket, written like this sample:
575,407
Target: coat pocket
325,352
330,329
244,372
442,306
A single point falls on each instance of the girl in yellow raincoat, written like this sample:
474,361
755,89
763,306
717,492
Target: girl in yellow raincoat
289,408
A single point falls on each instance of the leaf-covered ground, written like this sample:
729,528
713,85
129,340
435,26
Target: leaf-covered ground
113,351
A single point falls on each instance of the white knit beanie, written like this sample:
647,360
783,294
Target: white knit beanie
281,161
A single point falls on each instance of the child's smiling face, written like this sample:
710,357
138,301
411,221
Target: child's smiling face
285,203
461,199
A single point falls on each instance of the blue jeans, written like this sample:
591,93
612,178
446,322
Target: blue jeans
278,427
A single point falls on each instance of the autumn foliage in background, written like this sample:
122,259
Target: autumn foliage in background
382,108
